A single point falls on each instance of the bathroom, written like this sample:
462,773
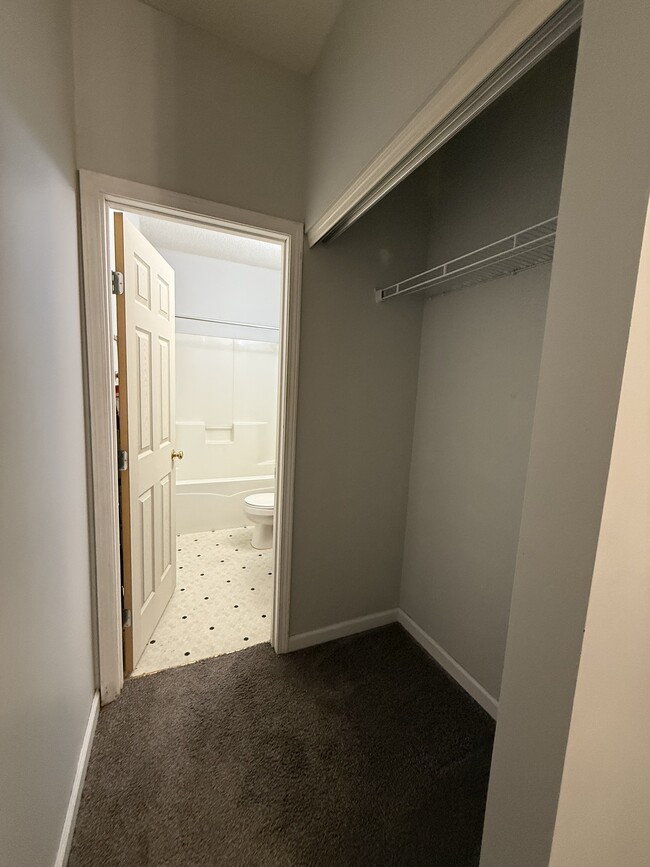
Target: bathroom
226,336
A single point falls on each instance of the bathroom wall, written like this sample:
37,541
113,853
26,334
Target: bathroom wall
226,426
479,362
45,617
226,407
214,288
226,376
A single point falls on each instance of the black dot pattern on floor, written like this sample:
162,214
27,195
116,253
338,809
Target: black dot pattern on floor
226,591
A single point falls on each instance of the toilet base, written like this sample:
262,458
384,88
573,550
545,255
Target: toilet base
262,536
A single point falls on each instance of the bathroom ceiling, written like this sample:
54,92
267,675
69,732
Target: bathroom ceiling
289,33
182,238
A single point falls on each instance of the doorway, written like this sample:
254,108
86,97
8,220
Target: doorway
100,197
197,315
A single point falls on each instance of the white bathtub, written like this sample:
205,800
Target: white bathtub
216,504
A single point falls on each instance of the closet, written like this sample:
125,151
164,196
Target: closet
492,197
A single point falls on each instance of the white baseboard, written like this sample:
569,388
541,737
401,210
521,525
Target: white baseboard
77,786
464,678
341,630
396,615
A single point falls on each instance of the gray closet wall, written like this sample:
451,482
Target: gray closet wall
479,362
356,404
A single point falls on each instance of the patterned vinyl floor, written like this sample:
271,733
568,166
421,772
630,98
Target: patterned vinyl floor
222,602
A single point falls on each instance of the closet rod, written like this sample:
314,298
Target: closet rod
524,249
227,322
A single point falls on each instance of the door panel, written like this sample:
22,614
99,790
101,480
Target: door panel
145,315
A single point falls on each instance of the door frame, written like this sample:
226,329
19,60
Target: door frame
99,193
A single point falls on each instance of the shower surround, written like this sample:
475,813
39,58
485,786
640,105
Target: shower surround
226,418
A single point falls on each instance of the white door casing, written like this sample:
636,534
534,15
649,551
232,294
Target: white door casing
146,350
99,195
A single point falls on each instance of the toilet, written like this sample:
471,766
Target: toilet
260,509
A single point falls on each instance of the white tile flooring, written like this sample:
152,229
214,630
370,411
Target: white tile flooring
222,601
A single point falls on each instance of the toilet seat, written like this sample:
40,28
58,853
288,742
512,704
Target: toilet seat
262,502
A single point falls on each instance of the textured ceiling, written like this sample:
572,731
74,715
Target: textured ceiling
182,238
289,33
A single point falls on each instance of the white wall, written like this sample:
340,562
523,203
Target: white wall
479,361
218,289
605,796
45,636
161,102
380,63
602,215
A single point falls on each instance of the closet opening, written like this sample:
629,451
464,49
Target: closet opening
490,199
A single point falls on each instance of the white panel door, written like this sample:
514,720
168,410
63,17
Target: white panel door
146,330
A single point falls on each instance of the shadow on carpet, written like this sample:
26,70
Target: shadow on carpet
361,751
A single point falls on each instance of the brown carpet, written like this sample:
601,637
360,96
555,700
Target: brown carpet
358,752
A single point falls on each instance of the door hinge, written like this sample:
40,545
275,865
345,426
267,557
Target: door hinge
122,459
126,618
117,282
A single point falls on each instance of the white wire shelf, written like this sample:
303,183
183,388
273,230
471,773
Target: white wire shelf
525,249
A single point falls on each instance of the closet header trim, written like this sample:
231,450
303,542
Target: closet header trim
525,249
527,33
